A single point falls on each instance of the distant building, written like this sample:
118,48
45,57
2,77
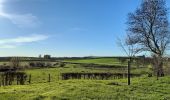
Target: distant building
47,56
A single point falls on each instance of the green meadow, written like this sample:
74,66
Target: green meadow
106,61
141,88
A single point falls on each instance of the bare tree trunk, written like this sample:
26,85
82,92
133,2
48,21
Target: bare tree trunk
160,69
158,66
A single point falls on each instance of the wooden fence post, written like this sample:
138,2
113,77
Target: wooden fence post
17,79
29,79
129,64
3,80
6,79
49,78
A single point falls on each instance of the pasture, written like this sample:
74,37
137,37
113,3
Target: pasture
106,61
142,88
91,87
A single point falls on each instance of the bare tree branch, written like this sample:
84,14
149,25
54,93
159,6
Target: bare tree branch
148,29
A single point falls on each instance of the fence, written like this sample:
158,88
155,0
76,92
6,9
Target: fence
21,78
99,76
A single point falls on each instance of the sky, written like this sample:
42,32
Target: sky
63,28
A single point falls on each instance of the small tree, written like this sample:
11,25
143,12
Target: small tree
148,28
130,51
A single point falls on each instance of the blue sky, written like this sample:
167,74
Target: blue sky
63,27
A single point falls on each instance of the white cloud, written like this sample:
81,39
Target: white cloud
7,46
21,20
14,42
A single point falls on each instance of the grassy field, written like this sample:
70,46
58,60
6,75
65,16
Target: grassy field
141,88
106,61
41,75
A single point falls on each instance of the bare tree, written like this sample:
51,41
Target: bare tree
148,29
130,51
